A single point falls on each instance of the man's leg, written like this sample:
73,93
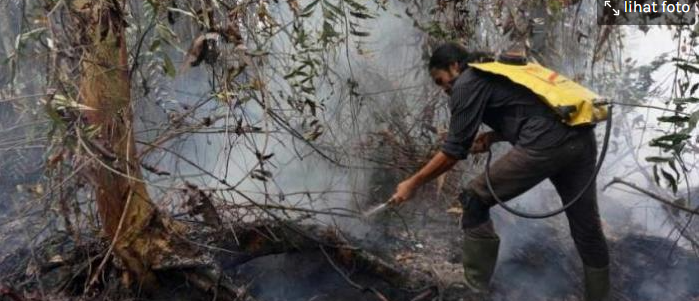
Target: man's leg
511,175
584,220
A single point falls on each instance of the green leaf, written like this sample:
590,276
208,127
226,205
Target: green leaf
151,8
309,8
55,117
306,14
334,8
92,130
315,133
168,67
308,89
670,179
259,174
360,15
655,159
312,106
693,89
61,102
656,178
674,168
675,138
155,45
688,67
165,33
328,32
296,72
329,15
312,136
660,144
693,120
359,33
184,12
356,5
673,119
686,100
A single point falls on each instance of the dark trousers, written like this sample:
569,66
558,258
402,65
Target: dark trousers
569,167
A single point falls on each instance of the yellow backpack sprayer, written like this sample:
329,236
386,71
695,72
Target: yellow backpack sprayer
574,104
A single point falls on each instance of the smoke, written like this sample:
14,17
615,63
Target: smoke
371,83
636,127
386,66
386,72
22,131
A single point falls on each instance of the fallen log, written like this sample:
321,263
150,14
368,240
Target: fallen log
263,239
66,268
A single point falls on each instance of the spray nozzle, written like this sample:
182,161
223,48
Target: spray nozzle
377,209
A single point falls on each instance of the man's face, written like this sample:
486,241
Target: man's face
445,78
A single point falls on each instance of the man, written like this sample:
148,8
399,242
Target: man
543,147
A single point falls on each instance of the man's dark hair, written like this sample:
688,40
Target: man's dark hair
452,52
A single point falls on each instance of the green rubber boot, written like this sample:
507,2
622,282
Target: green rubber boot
479,257
596,284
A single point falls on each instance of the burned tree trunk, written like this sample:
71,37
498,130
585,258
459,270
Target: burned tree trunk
140,236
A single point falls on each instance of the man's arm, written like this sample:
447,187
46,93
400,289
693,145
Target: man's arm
439,164
467,105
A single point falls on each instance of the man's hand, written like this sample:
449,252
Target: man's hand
440,163
483,141
404,191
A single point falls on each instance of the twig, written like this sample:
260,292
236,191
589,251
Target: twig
155,170
423,296
650,107
655,196
349,281
22,97
95,275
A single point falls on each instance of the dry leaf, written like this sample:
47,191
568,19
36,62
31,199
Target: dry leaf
455,210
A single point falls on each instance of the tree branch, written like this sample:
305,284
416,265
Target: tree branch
671,203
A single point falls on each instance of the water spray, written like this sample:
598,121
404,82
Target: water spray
377,209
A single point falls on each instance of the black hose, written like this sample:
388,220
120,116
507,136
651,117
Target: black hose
605,145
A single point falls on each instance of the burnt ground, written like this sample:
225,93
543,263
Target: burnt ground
537,262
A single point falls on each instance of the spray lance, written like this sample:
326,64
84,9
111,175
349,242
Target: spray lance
377,209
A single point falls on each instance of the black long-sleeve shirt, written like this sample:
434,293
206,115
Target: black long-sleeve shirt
508,108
